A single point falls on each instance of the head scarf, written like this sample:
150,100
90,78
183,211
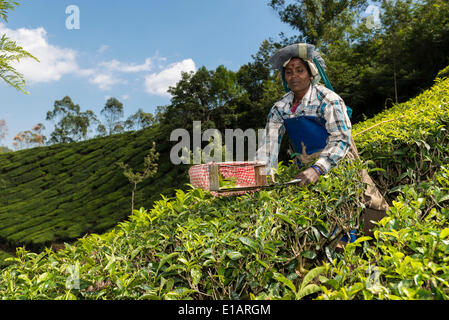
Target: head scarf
298,50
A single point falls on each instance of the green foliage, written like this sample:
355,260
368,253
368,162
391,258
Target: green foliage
3,132
207,96
149,170
73,125
317,22
11,52
3,256
408,258
139,120
444,73
112,112
410,140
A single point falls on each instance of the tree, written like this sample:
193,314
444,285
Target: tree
253,75
3,133
190,101
5,149
318,22
73,125
393,63
112,113
372,68
30,138
139,120
149,170
11,52
414,44
261,85
37,136
208,96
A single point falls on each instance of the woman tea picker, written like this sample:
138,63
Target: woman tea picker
317,123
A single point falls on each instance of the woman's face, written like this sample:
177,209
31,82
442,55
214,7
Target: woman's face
297,77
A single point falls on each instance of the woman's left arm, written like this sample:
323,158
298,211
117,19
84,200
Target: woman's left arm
338,126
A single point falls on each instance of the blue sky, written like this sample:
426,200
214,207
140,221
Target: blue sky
131,50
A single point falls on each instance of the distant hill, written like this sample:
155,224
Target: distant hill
61,192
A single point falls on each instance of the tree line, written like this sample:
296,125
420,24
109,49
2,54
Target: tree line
72,124
373,67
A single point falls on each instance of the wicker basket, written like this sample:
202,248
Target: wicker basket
246,173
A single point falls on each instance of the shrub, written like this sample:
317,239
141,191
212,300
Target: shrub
408,257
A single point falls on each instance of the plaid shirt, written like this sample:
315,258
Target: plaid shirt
318,102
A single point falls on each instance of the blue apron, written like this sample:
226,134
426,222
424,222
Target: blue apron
308,131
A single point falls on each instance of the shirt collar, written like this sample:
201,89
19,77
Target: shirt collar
305,99
308,94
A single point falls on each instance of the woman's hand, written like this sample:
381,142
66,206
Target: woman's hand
310,175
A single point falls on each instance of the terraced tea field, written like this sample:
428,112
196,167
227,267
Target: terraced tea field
61,192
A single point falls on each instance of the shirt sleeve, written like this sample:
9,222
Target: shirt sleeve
338,126
270,143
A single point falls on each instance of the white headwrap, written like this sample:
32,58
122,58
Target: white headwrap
299,50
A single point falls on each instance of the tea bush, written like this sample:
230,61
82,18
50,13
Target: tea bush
408,257
410,140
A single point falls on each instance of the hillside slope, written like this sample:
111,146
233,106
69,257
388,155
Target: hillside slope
61,192
408,141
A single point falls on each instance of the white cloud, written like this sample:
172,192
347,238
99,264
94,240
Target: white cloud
105,80
115,65
86,72
158,83
54,61
105,75
103,48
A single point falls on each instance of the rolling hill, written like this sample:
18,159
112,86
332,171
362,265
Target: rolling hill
61,192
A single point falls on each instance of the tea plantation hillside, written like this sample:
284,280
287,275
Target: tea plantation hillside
61,192
279,243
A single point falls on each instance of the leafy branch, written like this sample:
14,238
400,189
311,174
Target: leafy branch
149,170
6,5
11,52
